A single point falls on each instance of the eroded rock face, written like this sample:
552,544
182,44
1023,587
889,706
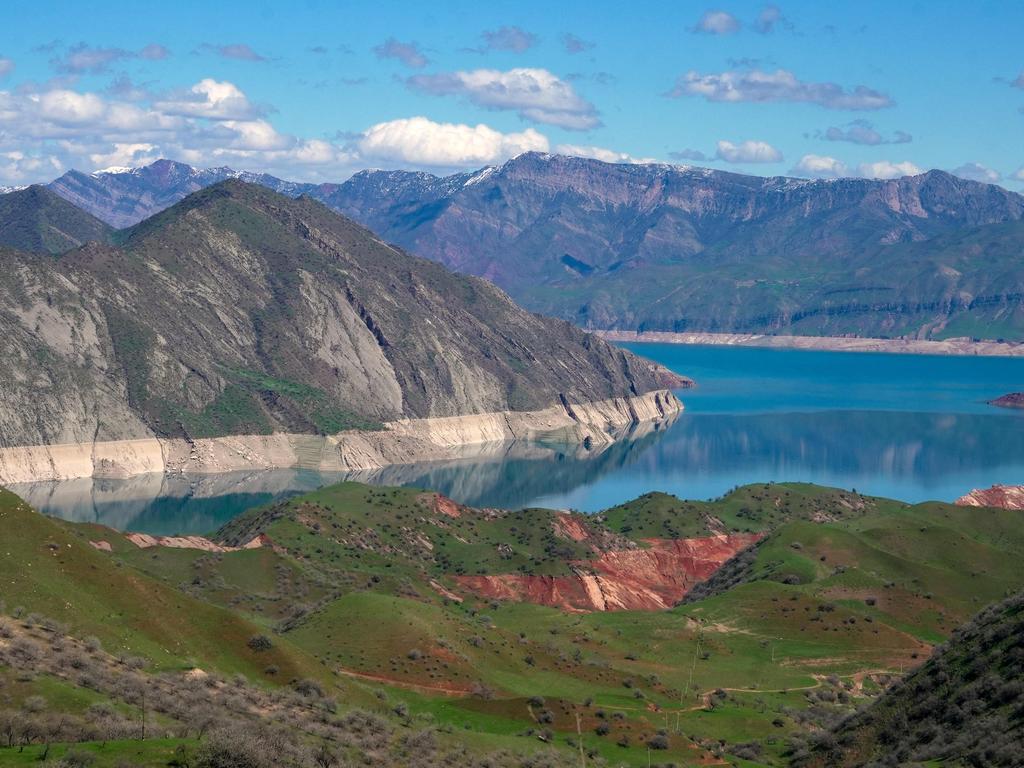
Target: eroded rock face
1002,496
652,578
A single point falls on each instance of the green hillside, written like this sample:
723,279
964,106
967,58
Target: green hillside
360,589
37,220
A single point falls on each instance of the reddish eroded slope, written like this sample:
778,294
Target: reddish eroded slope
1002,496
647,579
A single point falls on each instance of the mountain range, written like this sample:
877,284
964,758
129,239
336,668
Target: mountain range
675,248
243,311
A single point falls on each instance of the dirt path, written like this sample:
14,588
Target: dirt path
446,690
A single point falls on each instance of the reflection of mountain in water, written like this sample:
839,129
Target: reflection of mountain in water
908,454
847,442
508,475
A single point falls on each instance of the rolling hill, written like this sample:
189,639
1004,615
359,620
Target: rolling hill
830,597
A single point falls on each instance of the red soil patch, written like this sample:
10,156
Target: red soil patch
1002,496
650,579
568,527
445,506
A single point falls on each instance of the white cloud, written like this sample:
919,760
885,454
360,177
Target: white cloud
602,154
419,141
688,154
535,94
717,23
863,132
778,86
6,66
513,39
885,169
574,44
748,152
238,51
769,18
125,154
819,167
66,107
977,172
1018,175
209,99
407,53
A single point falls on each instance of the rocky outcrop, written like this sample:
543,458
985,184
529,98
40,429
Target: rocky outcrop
1001,496
409,440
1012,400
649,578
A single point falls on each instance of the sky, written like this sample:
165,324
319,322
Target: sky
312,90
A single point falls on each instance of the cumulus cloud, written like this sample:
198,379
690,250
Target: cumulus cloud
819,167
863,132
1018,175
210,99
535,94
886,169
717,22
573,44
977,172
778,86
50,129
747,152
238,51
769,18
513,39
419,141
688,154
154,52
602,154
6,66
407,53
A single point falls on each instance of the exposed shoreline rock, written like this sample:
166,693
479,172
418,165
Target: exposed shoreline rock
830,343
400,442
1012,400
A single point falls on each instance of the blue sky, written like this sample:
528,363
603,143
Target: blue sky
314,90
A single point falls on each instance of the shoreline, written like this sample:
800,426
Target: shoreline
952,347
591,424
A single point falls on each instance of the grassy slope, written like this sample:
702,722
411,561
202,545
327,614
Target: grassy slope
842,585
37,220
49,568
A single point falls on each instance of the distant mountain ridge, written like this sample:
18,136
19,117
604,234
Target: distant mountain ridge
677,248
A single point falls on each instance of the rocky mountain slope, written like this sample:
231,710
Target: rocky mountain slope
37,220
674,248
242,311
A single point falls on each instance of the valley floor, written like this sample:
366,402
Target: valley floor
832,343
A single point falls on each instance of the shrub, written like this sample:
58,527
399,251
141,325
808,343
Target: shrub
260,643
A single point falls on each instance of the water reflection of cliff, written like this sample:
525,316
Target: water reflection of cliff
507,475
908,455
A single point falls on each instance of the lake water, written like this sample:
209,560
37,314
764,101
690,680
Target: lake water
910,427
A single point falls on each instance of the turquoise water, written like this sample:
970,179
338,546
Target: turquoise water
910,427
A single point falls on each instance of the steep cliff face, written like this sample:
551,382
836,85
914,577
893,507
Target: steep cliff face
242,311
